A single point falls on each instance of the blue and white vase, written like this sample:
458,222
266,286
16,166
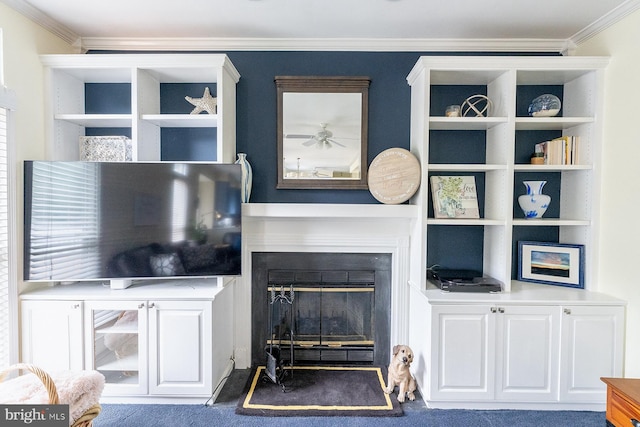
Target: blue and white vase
247,177
534,204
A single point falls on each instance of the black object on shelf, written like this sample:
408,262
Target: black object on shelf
463,281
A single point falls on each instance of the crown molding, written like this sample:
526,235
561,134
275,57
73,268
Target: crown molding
44,21
605,21
332,44
562,46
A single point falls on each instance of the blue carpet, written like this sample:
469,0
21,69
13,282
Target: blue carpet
224,415
416,414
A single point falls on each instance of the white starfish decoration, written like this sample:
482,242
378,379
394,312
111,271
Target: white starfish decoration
206,103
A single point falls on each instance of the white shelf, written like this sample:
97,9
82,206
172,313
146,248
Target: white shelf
436,167
174,289
182,120
463,221
551,168
108,361
132,378
550,123
97,120
558,222
465,123
129,328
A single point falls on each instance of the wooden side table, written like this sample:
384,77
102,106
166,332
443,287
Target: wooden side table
623,402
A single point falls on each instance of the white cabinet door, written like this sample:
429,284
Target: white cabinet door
463,353
503,353
592,345
528,344
180,342
52,334
116,344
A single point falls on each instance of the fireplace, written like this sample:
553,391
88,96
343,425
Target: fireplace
312,231
321,308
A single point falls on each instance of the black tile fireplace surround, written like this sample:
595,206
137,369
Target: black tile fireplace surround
341,307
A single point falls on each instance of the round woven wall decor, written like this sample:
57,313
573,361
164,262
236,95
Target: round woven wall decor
394,176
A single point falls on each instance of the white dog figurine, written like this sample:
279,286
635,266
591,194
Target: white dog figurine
399,374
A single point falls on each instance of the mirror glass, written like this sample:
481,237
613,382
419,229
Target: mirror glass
322,132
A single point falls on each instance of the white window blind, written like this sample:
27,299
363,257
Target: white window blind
64,222
5,320
8,281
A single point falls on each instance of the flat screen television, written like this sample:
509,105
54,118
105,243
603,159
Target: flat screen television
127,221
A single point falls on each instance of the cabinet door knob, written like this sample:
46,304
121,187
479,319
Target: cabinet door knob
152,305
76,305
567,311
493,309
141,305
501,310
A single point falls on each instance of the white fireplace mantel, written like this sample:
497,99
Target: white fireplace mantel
328,211
336,228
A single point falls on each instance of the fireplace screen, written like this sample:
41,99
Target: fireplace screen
323,321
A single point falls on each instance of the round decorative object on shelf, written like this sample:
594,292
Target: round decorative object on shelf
394,176
247,177
546,105
480,105
534,204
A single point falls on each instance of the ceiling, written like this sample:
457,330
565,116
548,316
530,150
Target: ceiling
410,25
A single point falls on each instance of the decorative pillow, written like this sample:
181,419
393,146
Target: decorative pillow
199,257
166,265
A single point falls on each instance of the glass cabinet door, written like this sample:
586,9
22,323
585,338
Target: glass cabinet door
116,345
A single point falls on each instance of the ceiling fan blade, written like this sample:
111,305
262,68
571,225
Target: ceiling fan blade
309,143
339,144
294,135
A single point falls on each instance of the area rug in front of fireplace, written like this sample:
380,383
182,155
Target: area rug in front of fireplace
320,390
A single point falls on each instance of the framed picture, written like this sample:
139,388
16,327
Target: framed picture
454,197
551,263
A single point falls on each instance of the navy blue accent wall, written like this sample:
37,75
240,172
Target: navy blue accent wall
188,144
389,111
114,98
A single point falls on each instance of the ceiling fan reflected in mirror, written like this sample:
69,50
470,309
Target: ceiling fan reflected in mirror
322,139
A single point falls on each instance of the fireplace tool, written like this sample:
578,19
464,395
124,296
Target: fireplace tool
275,367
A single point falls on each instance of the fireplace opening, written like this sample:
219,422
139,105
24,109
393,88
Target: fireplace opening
322,316
323,309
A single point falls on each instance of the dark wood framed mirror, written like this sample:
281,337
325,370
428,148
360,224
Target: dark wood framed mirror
322,132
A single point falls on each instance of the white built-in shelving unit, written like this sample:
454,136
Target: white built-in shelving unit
532,345
67,118
67,326
581,82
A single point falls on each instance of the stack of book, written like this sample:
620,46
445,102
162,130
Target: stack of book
560,151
